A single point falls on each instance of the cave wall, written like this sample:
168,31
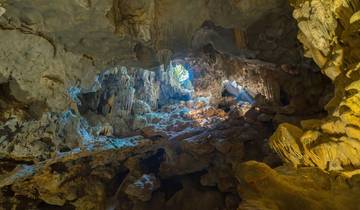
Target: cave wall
329,32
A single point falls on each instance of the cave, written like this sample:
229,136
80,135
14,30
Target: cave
180,105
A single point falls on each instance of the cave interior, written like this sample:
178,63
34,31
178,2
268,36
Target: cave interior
180,105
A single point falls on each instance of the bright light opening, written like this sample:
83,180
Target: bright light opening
180,79
180,73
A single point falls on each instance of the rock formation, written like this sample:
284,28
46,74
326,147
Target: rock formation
329,33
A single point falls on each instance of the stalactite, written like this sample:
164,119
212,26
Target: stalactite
125,93
271,89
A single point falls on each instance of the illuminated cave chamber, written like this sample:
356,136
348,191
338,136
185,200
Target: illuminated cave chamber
129,99
179,105
162,136
195,90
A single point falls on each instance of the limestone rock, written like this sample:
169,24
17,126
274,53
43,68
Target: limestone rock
336,146
2,11
285,188
143,187
286,138
45,78
140,107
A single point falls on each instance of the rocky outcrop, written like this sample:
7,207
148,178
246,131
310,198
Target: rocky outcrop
328,31
35,75
290,88
262,187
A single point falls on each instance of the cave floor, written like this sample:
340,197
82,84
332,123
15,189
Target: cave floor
191,156
189,148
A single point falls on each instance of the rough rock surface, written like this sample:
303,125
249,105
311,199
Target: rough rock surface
329,32
77,39
287,188
130,170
